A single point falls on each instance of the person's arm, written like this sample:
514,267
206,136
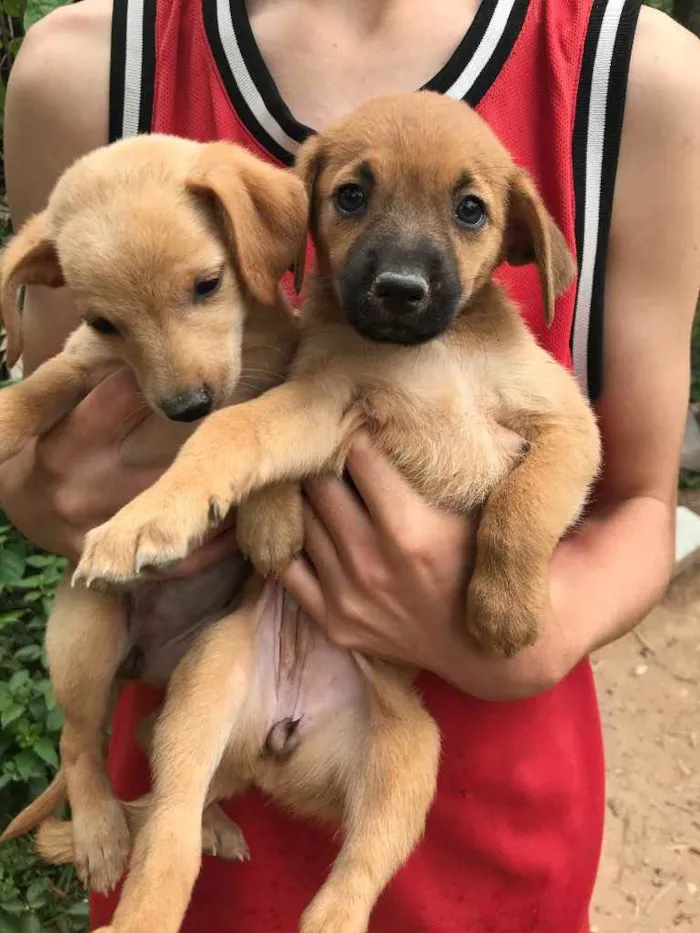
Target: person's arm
390,579
108,449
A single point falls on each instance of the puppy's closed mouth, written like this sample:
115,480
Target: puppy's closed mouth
403,293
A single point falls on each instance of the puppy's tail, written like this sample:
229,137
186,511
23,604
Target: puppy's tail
54,841
38,810
54,838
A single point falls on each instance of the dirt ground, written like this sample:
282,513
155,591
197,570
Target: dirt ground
650,699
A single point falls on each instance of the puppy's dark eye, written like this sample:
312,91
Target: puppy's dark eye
470,212
206,287
103,326
350,199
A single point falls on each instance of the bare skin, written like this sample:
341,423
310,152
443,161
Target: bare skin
89,466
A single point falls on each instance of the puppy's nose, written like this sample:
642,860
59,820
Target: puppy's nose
190,405
400,288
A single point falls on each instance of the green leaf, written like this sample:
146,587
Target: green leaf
14,8
7,617
41,560
11,567
28,765
81,909
36,9
46,751
11,715
29,653
31,923
18,680
37,894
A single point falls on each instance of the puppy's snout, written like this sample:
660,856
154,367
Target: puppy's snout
190,405
400,290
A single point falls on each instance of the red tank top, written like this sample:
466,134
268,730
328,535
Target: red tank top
513,839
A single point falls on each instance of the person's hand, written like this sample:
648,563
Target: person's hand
386,574
106,451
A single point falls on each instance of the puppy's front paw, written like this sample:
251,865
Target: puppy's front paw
270,528
503,617
152,532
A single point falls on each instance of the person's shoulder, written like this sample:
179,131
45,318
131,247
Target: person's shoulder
664,77
661,128
63,46
57,104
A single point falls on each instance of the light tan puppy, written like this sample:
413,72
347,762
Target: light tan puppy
174,251
414,205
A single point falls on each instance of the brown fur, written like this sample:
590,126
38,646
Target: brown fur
478,416
131,228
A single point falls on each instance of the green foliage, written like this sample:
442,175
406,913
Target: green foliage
32,896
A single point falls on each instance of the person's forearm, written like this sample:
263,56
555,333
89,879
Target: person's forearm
604,578
608,574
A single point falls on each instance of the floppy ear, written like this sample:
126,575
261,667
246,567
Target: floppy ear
264,211
533,236
29,258
307,167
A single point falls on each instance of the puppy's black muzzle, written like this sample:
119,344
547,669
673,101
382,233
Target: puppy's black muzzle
395,292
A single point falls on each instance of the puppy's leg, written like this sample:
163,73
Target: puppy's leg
270,527
32,407
220,835
386,805
290,432
524,519
205,696
85,641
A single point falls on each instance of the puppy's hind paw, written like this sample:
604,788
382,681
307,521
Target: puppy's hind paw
223,838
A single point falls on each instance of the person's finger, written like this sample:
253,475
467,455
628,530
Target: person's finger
113,408
88,504
223,545
342,513
301,581
384,491
320,549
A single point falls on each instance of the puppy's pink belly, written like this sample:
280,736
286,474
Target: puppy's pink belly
302,678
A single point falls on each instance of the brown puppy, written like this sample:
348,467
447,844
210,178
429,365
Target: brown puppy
173,249
415,203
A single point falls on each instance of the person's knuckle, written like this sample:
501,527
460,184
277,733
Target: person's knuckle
369,571
349,610
69,505
343,638
413,543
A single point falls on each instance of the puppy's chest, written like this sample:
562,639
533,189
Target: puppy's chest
436,418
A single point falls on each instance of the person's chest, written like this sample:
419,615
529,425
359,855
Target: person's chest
328,58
